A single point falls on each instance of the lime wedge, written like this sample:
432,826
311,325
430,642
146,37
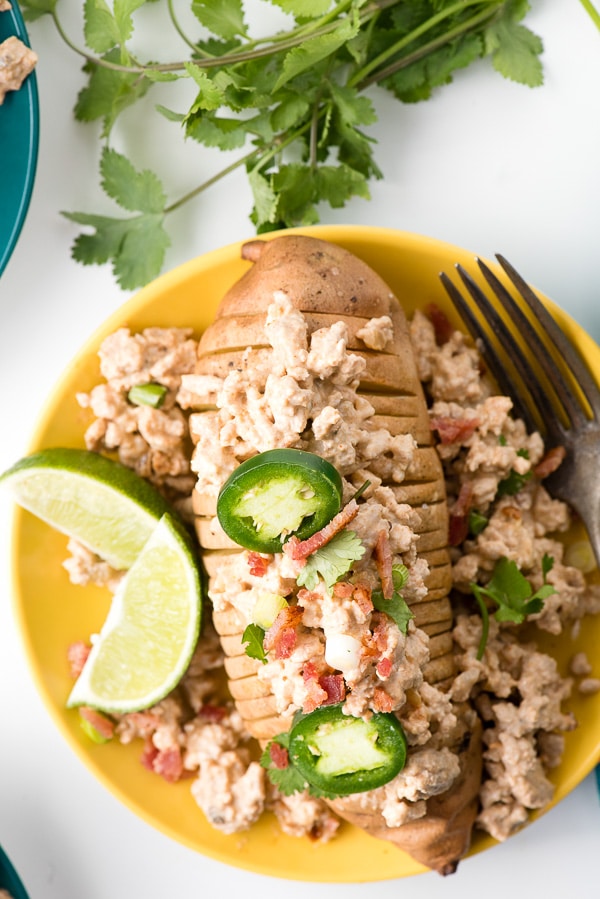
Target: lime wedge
151,630
106,506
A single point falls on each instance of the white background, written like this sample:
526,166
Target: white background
486,164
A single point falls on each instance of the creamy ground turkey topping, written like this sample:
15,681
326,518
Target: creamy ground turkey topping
306,397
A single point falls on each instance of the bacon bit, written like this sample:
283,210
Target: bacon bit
315,693
362,597
282,635
77,655
103,725
334,687
442,326
315,696
343,589
458,526
301,549
370,649
258,564
383,560
305,595
169,764
279,755
458,529
551,461
453,430
212,713
310,672
380,634
384,667
360,593
149,754
382,701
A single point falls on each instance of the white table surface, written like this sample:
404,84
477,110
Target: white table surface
488,165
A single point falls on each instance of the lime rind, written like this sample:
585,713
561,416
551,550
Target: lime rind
151,630
107,507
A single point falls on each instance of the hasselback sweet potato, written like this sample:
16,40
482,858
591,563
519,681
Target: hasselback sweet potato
310,349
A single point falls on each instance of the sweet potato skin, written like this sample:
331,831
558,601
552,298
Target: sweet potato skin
327,283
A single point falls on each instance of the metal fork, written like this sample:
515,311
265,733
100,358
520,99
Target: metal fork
563,404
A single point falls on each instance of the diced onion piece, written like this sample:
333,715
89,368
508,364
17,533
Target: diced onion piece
267,608
342,652
581,555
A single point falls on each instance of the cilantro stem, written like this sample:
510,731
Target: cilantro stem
252,49
279,144
368,74
592,12
426,49
210,181
181,32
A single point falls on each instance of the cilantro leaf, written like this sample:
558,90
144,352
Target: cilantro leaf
265,198
513,483
512,593
332,561
132,190
108,92
514,49
477,522
35,9
225,18
396,607
304,9
215,131
288,780
136,245
253,637
210,95
314,50
100,28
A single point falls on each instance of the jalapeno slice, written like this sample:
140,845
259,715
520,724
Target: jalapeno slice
278,493
339,754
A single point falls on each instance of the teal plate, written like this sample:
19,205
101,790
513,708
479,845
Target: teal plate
19,136
9,879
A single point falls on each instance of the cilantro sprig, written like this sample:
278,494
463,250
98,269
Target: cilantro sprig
513,595
332,561
286,778
396,606
290,106
253,642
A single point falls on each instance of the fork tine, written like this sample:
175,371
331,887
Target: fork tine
565,395
540,399
567,351
480,336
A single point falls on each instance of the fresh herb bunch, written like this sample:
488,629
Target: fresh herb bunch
513,595
293,104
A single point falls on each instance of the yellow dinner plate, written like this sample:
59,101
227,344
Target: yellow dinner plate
53,613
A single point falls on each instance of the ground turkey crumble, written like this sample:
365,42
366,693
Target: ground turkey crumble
516,690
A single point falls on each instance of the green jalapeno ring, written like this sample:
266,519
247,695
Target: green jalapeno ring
278,493
339,754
